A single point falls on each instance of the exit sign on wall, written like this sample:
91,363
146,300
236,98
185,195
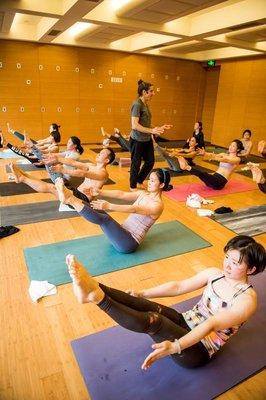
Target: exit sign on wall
211,63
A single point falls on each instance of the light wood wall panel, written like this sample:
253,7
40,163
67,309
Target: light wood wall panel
80,95
210,95
241,101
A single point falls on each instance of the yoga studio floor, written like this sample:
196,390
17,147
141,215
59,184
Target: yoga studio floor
36,358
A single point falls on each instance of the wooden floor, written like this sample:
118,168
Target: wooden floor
36,360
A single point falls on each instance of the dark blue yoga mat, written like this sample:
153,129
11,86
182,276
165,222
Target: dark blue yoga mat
167,239
110,362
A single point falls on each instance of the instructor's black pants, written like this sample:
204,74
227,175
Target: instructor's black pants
140,151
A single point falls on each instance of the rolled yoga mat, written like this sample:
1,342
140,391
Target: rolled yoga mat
164,240
110,362
181,192
13,188
249,221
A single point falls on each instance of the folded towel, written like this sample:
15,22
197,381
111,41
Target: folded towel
40,289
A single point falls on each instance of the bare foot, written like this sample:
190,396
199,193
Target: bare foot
18,174
117,132
27,141
65,195
182,162
86,289
104,133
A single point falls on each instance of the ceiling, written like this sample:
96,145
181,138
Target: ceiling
189,29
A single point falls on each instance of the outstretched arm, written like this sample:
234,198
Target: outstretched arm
81,173
120,194
224,157
56,158
185,154
176,288
158,130
154,209
242,309
47,140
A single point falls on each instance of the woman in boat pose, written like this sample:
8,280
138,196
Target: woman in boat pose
146,209
193,337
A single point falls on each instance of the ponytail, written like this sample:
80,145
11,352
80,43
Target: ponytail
143,86
76,142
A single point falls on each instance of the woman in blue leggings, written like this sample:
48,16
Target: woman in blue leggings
146,209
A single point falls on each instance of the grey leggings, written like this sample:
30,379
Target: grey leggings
124,143
119,237
156,320
22,137
171,161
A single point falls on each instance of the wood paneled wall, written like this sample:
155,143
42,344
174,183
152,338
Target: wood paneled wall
241,101
61,84
210,94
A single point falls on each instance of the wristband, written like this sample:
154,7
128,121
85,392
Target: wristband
177,345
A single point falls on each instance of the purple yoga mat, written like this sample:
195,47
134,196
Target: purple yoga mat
110,362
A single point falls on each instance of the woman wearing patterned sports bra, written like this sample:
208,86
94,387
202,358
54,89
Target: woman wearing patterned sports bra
193,337
227,164
146,209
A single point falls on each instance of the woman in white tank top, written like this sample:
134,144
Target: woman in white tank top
227,164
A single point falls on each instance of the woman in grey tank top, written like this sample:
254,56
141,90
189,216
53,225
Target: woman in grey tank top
146,209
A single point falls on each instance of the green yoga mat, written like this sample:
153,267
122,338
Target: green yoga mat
98,255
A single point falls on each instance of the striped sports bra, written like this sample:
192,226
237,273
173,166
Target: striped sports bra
209,304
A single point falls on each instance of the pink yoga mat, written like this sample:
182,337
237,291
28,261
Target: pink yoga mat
180,192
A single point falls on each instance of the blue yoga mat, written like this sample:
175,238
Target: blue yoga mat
110,362
98,255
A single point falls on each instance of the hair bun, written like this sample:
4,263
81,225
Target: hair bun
168,188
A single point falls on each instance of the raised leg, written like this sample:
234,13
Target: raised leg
157,326
36,184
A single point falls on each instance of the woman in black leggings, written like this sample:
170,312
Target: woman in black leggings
193,337
227,164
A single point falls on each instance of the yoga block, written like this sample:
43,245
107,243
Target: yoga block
124,162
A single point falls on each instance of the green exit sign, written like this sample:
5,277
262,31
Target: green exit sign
211,63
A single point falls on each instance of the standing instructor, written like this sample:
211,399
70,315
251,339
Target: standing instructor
141,144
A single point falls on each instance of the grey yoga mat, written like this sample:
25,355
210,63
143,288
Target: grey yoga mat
13,188
249,221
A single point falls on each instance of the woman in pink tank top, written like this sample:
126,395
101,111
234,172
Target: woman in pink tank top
145,208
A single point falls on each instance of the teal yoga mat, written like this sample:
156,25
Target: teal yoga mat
98,255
